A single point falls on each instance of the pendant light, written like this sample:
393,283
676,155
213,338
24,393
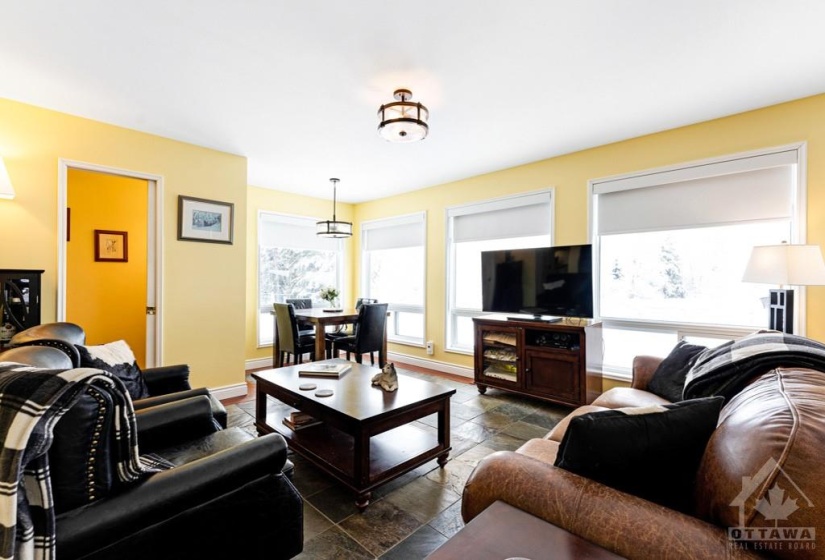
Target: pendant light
334,228
403,120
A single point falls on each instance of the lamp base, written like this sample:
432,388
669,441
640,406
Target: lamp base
781,311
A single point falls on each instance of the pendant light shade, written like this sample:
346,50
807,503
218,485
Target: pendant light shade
333,228
403,120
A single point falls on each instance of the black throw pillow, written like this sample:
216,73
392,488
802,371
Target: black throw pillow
652,452
118,359
668,380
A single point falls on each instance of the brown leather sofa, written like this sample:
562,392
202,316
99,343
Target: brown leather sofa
770,435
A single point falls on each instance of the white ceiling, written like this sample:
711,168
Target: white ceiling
295,85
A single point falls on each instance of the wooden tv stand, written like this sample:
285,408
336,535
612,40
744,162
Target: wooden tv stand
554,361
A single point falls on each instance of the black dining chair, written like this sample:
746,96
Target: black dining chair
369,334
290,341
348,329
305,328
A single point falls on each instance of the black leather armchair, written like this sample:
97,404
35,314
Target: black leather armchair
37,356
226,496
227,493
165,383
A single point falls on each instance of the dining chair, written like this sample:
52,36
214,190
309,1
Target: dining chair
290,341
346,330
305,328
369,334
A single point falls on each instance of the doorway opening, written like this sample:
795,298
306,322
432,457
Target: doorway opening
113,295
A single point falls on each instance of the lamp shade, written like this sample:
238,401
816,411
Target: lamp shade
333,228
796,265
6,190
403,120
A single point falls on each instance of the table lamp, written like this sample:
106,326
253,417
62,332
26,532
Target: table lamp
786,265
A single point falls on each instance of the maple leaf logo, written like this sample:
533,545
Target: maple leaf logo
776,506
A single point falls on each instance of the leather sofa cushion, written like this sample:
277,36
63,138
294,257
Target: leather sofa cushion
624,397
543,450
770,435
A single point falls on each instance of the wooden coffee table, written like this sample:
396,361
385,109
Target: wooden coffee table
366,437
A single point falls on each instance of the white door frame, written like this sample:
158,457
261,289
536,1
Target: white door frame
154,247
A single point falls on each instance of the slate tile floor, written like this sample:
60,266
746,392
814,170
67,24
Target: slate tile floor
416,513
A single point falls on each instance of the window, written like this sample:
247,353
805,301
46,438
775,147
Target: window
515,222
293,262
393,271
672,245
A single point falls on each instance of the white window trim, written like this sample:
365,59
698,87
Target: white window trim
296,220
488,205
412,218
731,163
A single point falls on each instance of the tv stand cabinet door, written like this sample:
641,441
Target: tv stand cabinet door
554,375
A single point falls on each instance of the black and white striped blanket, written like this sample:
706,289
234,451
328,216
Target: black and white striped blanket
31,402
726,369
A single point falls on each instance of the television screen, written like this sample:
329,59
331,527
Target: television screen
555,281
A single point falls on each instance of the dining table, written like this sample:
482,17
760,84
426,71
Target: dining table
321,318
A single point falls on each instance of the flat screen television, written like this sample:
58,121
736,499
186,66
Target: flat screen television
545,282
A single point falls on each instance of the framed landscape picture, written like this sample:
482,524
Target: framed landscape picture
111,246
204,220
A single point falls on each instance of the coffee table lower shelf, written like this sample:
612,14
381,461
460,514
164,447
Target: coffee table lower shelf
391,453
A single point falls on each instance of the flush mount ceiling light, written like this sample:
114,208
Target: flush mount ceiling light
333,228
403,120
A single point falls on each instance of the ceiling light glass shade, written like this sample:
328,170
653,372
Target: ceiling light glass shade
403,120
333,228
6,190
795,265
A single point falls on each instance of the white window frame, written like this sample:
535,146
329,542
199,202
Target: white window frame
415,218
452,313
706,168
290,219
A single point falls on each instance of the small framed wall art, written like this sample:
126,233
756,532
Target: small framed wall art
111,246
209,221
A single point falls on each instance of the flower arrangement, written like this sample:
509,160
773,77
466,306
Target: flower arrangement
329,295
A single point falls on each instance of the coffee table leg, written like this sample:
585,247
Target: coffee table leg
442,459
362,501
260,409
444,432
362,469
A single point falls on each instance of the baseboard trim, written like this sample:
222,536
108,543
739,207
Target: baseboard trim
258,363
444,367
229,391
431,364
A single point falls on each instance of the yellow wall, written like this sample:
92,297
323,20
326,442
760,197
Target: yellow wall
209,290
107,298
259,199
802,120
204,285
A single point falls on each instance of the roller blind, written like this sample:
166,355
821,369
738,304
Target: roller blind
394,233
278,230
760,188
518,216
